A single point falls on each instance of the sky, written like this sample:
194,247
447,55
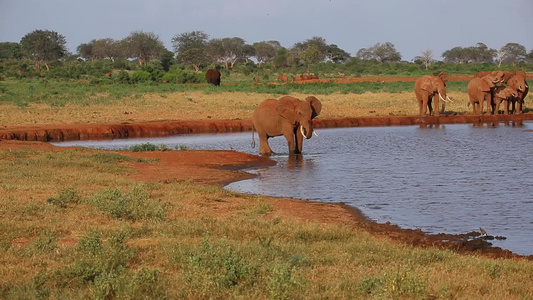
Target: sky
413,26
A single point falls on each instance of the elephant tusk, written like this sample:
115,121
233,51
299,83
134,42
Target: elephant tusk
447,98
302,130
440,97
314,132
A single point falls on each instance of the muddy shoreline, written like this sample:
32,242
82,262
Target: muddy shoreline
72,132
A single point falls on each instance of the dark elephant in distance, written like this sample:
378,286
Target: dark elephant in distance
213,76
288,116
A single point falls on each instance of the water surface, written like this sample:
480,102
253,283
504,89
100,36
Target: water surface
451,178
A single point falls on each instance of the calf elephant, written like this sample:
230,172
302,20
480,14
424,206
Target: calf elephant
213,76
426,87
501,94
288,116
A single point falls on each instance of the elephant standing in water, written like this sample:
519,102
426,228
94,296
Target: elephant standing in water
288,116
426,88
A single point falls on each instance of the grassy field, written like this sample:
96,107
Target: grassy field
75,226
49,102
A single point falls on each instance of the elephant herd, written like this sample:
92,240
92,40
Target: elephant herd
293,118
492,87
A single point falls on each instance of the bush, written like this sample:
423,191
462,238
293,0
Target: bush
141,77
181,77
122,77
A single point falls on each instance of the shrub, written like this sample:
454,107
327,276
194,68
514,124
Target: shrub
141,76
122,77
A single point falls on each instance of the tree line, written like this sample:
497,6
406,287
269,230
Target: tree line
195,50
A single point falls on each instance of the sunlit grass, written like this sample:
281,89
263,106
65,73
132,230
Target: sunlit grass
73,226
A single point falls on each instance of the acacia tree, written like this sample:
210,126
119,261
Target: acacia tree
265,51
386,52
43,46
336,54
144,46
190,48
426,57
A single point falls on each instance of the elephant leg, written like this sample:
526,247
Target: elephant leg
264,148
430,105
290,142
519,107
299,141
421,107
437,113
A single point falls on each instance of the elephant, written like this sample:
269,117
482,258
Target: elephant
283,78
213,76
518,84
288,116
296,78
500,94
304,77
428,86
480,89
256,79
502,75
313,77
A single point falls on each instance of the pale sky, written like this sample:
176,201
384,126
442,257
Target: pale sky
412,26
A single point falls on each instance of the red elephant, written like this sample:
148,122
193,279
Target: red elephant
213,77
283,78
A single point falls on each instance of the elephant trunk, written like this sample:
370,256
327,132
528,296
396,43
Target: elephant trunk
307,133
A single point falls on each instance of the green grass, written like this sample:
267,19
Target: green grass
61,93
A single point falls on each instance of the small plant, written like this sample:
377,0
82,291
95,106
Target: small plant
64,198
136,205
148,147
46,242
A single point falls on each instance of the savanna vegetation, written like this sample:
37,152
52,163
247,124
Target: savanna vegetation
75,224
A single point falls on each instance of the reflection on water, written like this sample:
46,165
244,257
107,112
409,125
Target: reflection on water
447,178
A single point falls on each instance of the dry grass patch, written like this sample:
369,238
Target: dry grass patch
198,105
84,230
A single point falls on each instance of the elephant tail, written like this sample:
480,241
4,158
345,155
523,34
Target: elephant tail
253,138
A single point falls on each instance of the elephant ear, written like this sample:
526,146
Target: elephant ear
316,105
483,84
427,85
286,108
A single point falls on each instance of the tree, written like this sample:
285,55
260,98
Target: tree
513,53
335,54
142,45
264,52
10,50
481,53
456,55
386,53
426,57
85,50
190,47
232,50
43,46
381,52
365,54
310,51
311,55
